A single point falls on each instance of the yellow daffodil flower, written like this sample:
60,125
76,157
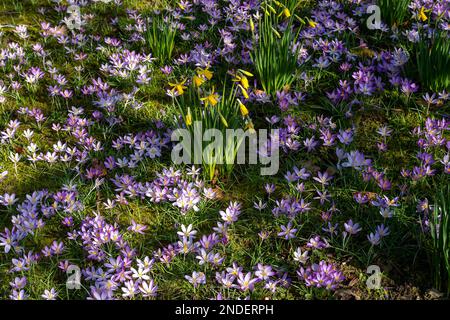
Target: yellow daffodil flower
205,72
312,24
198,81
285,12
243,81
244,92
211,99
178,87
243,108
422,15
250,127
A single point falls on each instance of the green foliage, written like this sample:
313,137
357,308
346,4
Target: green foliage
394,11
160,37
274,55
440,233
433,61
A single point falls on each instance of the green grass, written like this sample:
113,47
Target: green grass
394,11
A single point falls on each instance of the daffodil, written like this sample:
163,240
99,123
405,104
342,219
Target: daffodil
205,73
242,78
189,117
276,33
178,87
272,9
248,74
224,121
249,126
422,15
243,108
244,81
212,99
285,12
198,81
244,92
312,23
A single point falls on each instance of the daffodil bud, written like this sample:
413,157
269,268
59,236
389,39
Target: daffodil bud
224,121
189,117
244,92
276,32
244,82
243,108
252,25
248,74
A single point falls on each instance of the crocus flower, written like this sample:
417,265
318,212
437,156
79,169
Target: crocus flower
246,282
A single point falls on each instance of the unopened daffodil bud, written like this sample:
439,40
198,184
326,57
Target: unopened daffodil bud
189,117
244,92
243,108
252,25
248,74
